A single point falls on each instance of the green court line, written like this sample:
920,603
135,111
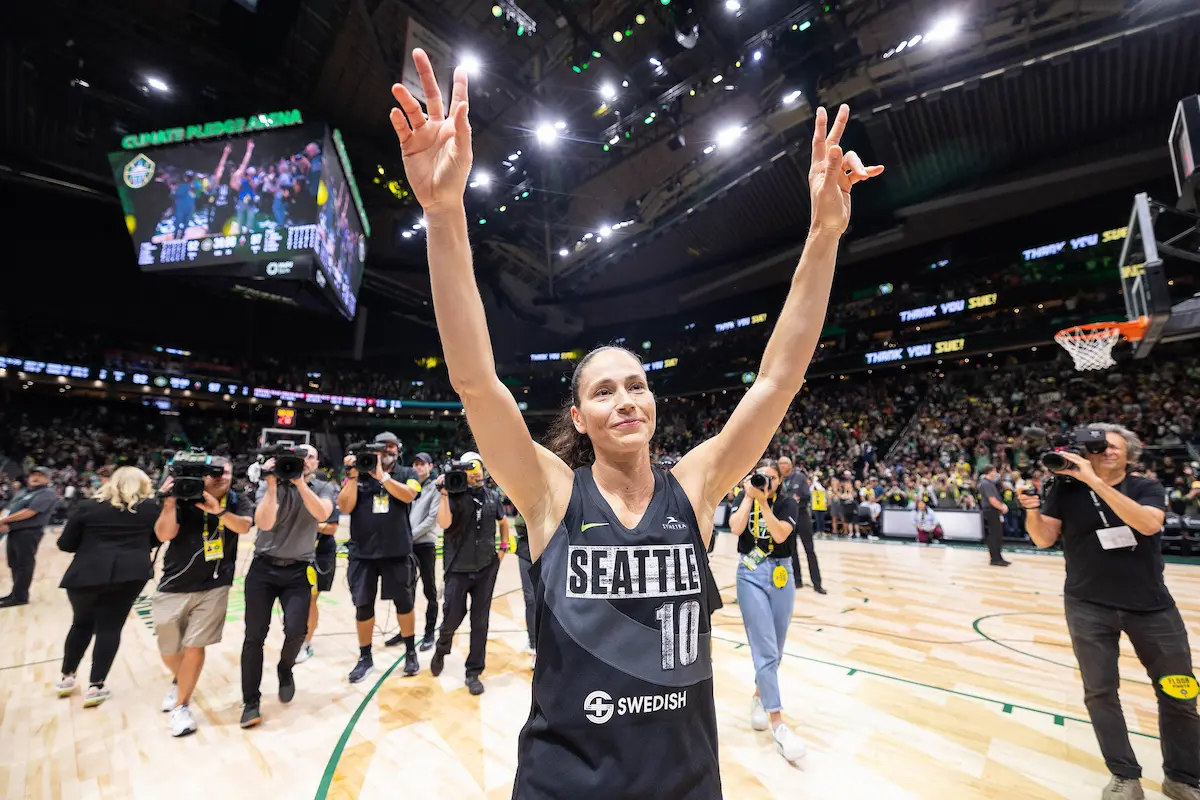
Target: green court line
979,630
1000,703
336,755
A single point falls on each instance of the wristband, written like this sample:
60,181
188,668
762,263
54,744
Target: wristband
222,512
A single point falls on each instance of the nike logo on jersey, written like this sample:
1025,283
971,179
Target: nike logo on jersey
589,525
632,571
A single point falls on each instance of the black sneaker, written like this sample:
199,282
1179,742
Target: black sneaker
287,686
10,602
1001,563
474,685
411,665
250,715
427,643
362,669
395,640
436,664
820,590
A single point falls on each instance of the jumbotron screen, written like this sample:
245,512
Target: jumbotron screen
225,206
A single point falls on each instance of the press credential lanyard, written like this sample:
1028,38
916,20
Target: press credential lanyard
1117,535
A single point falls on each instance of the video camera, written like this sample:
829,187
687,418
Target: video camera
1079,441
289,463
454,476
189,469
366,455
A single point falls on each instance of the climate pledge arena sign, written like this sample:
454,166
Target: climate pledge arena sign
209,130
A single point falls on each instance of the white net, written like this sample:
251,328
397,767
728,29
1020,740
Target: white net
1090,348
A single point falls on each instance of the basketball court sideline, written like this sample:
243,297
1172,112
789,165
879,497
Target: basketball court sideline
923,674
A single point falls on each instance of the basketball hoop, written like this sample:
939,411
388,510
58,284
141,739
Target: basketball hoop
1091,345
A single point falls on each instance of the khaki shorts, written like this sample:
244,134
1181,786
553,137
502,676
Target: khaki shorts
189,619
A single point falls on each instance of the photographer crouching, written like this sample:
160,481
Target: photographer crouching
377,495
468,513
287,516
1109,522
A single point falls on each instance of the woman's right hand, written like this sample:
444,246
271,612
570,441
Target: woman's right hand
436,148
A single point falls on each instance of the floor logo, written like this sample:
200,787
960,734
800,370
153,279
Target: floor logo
599,707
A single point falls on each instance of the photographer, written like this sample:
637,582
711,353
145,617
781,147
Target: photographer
24,521
287,517
993,512
381,548
325,564
193,594
422,518
469,520
1109,522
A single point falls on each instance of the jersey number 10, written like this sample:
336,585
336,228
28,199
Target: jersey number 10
689,632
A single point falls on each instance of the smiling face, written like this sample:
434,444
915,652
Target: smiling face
614,406
1114,457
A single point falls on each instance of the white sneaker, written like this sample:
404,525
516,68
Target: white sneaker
65,686
306,652
788,744
171,700
758,715
182,722
95,696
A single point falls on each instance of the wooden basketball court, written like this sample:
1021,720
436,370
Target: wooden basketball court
924,673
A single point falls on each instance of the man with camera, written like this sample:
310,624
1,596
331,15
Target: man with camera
422,518
468,513
24,521
377,495
1110,522
287,516
993,512
325,564
193,594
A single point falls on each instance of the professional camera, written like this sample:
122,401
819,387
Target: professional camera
189,469
1079,441
289,464
760,482
366,455
454,476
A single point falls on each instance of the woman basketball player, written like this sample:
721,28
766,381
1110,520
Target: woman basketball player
622,692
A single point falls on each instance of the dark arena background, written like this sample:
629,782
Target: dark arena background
213,245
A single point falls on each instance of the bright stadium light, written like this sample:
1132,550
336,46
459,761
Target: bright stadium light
608,92
563,252
733,5
483,179
729,135
157,84
560,125
470,63
546,133
605,230
944,29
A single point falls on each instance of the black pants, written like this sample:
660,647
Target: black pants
993,527
479,586
1160,640
524,565
99,611
426,562
804,533
22,555
264,583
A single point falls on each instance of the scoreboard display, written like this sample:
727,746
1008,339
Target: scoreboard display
271,203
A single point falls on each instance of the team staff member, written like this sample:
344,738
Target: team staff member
1110,522
469,552
795,483
765,520
24,521
326,566
422,518
193,594
993,512
380,549
287,516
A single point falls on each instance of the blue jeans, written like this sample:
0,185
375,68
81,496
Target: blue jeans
818,522
766,613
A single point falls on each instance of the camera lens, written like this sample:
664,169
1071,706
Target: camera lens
1054,461
758,481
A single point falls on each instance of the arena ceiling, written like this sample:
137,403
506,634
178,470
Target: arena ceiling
951,96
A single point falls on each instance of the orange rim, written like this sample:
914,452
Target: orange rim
1133,330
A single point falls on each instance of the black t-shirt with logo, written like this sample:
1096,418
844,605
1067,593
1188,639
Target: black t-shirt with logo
1128,578
184,566
379,524
470,541
785,509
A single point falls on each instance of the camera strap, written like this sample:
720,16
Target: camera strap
756,520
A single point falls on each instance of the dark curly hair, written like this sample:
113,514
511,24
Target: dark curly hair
573,447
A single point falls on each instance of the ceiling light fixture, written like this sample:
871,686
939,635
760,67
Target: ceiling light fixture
733,5
157,84
470,64
718,78
729,135
791,97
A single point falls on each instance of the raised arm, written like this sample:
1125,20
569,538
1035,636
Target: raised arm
708,471
437,161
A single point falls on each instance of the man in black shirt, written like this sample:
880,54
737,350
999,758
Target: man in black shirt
469,520
796,485
1110,522
325,565
193,594
381,548
24,521
993,512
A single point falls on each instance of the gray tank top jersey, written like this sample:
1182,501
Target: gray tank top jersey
623,690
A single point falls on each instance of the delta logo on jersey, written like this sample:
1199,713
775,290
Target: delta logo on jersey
599,707
604,573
